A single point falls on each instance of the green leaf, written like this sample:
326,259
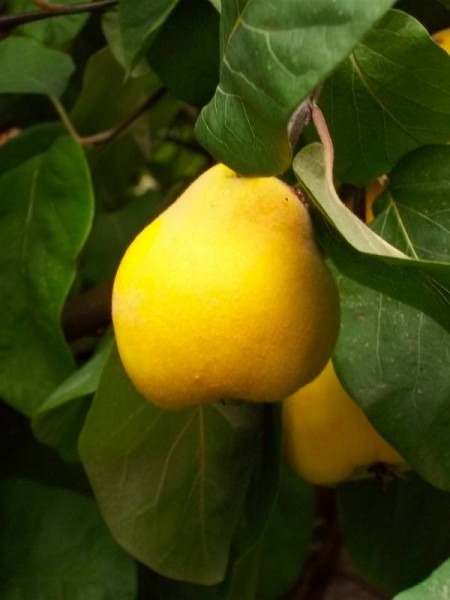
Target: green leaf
410,405
46,212
107,98
390,96
60,418
395,534
368,258
83,382
56,33
185,53
139,22
30,68
435,587
54,544
170,485
274,56
274,540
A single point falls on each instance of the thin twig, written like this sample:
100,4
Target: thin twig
9,22
325,137
111,134
65,119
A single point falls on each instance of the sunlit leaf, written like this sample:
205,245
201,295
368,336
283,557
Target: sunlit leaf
274,55
54,544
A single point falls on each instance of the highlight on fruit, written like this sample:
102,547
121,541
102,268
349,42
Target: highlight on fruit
328,439
225,295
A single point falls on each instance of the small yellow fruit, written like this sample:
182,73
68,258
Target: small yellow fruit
443,39
328,438
373,190
225,295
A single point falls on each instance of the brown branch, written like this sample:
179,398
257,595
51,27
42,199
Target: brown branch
9,22
88,313
111,134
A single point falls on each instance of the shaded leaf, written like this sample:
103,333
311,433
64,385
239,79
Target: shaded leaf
368,258
390,96
395,535
435,587
46,212
139,21
107,98
170,485
30,68
274,56
185,53
60,418
54,544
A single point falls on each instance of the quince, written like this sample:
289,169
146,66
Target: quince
225,296
328,438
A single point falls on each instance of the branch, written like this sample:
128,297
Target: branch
9,22
111,134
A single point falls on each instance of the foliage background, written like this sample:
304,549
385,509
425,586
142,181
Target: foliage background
106,113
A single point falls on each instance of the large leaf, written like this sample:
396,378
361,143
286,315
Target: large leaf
393,359
170,485
46,212
390,96
139,22
395,534
435,587
185,54
55,545
366,257
274,56
267,564
30,68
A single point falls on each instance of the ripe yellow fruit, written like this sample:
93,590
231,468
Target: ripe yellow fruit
225,296
373,190
443,39
328,438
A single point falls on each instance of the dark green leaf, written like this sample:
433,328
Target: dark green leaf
409,405
435,587
395,535
366,257
83,382
46,213
30,68
170,485
390,96
60,418
55,545
274,56
185,53
139,22
112,233
107,98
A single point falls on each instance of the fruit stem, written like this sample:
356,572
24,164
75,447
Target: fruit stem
325,137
